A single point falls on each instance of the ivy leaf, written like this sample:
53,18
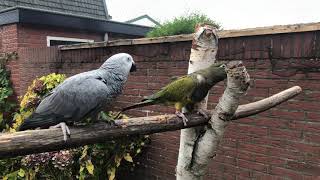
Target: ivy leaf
84,152
117,160
21,173
112,173
128,158
81,169
1,117
89,167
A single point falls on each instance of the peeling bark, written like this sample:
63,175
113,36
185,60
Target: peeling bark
208,141
203,53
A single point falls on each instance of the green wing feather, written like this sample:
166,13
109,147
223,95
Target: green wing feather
179,90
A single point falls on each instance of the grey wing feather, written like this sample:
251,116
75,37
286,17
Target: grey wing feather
75,100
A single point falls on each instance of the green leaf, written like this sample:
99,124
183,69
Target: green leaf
89,167
128,158
21,173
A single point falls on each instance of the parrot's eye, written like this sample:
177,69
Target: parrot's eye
128,59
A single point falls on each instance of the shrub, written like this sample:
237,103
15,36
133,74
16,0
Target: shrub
182,25
6,105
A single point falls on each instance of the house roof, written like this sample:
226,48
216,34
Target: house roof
46,17
134,20
86,8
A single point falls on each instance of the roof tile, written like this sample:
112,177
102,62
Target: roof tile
91,8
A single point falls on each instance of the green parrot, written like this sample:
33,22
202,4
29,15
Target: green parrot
185,91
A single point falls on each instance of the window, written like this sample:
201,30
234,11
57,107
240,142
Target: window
55,41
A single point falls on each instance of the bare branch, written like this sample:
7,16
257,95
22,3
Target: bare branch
267,103
36,141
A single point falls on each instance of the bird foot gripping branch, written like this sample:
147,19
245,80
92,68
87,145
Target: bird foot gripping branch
65,130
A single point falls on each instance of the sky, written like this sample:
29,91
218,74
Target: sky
231,14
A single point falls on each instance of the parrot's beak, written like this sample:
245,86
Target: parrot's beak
133,67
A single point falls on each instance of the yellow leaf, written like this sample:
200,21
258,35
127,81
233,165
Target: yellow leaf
1,117
84,152
117,160
11,130
81,169
89,167
128,158
21,173
5,178
112,173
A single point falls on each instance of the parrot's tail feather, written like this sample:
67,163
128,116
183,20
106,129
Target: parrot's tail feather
36,120
141,104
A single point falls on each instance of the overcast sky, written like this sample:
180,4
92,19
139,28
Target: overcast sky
231,14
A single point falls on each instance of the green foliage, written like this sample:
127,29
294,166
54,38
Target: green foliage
6,105
98,161
182,25
38,89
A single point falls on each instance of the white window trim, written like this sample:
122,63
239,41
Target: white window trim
49,38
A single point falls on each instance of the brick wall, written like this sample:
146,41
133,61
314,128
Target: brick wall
282,143
16,37
33,36
9,43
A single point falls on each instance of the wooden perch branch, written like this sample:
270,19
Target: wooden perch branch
36,141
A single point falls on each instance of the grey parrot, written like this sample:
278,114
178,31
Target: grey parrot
82,95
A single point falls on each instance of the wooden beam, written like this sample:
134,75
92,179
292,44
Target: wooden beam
36,141
278,29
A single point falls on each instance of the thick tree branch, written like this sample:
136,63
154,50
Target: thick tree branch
207,142
36,141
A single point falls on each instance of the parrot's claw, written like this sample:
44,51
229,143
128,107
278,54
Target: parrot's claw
184,118
202,113
65,130
112,123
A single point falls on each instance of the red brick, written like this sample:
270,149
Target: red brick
294,115
312,138
304,105
285,153
310,127
294,175
252,165
285,134
254,130
252,148
313,116
302,147
272,122
265,159
305,168
268,83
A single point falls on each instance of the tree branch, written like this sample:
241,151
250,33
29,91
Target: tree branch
36,141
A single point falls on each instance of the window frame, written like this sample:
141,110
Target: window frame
57,38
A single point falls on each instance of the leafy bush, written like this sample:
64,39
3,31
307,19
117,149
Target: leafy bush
6,106
38,89
182,25
98,161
